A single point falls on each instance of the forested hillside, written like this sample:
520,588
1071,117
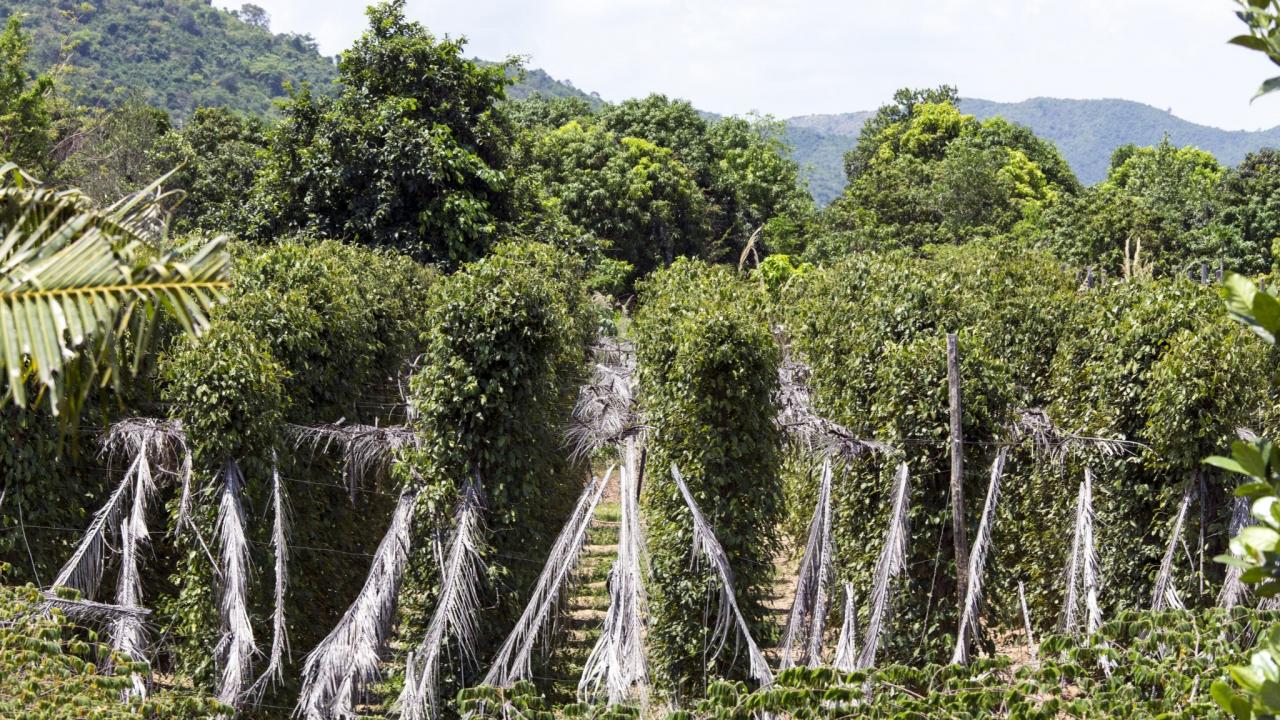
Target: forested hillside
177,55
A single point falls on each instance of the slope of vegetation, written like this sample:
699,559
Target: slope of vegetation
177,55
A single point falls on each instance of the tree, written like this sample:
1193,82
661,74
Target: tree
25,130
937,175
1263,19
672,124
412,154
627,191
255,16
755,181
1179,188
73,279
900,110
1250,198
216,154
110,153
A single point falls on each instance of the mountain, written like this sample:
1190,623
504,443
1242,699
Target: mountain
1085,131
531,81
174,54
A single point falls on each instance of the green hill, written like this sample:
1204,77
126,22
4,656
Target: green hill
175,54
1085,131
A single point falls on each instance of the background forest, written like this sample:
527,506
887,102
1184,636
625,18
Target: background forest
320,371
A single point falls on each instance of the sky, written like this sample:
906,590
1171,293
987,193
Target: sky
799,57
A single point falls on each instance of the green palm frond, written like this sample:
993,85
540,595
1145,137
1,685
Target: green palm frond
73,277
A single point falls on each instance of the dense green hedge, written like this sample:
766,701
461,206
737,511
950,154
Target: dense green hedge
1151,362
708,371
314,332
503,356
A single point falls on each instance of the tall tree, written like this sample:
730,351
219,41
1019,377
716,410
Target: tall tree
25,128
412,154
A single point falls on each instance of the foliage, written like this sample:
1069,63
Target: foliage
415,125
708,371
1263,19
25,131
1250,196
177,55
1165,210
932,174
503,355
1146,678
632,193
214,157
108,154
857,160
342,321
74,279
1147,362
1254,549
51,668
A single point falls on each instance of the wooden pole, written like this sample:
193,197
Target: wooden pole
959,535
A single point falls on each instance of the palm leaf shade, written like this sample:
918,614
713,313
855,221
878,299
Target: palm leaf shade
74,277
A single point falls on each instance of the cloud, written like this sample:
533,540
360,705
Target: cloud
807,56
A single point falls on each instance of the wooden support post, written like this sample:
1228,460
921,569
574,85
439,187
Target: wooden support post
1204,273
959,534
1219,271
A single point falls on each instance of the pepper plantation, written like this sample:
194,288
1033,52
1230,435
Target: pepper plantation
364,491
450,405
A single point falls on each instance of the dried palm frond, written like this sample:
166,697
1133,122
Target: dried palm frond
892,561
274,673
706,545
456,608
617,664
978,561
605,412
237,647
348,658
847,647
89,612
1233,591
811,432
1165,594
83,571
1052,442
1082,566
515,658
367,450
1026,620
807,619
127,633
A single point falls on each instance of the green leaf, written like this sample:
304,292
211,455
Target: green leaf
1227,464
1270,86
1249,41
1258,537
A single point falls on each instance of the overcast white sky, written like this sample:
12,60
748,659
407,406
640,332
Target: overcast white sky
798,57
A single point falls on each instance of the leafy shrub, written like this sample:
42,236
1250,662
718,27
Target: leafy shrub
503,356
708,370
50,669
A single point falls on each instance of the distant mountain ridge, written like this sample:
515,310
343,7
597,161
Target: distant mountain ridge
1085,131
